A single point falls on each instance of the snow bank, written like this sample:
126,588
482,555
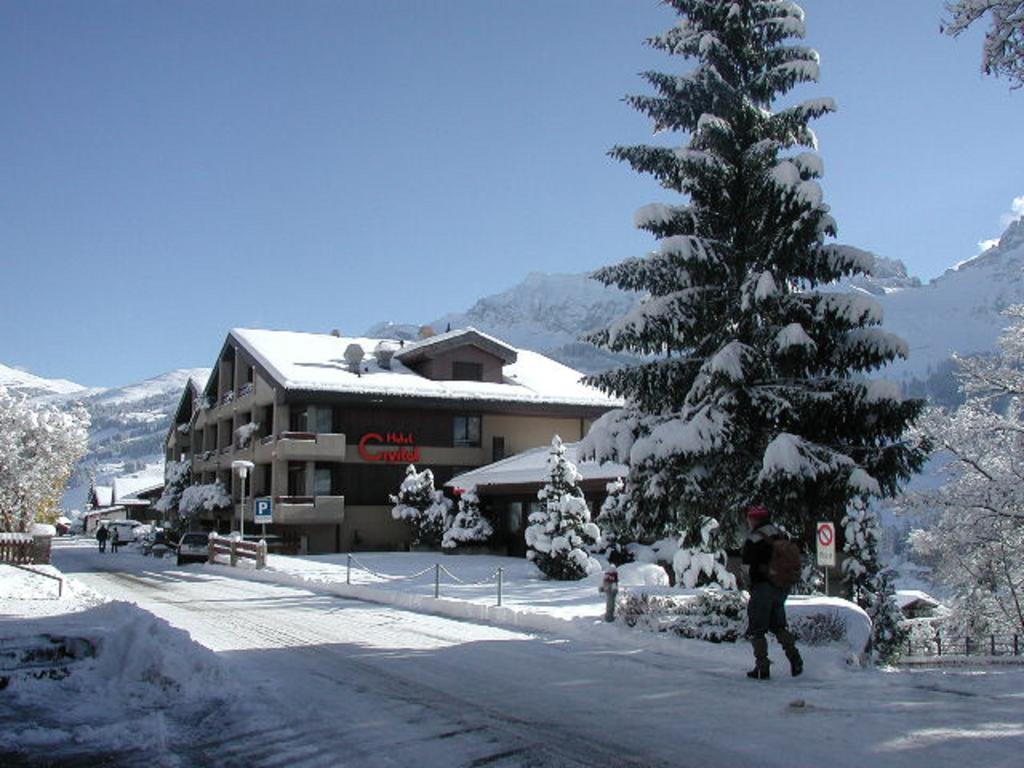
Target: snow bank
111,671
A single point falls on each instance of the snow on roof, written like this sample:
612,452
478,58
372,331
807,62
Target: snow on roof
104,495
127,487
532,467
905,597
316,362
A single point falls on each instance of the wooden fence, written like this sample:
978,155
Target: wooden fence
235,549
17,548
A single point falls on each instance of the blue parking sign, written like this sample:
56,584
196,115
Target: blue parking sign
263,510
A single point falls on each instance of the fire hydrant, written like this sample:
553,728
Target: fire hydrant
610,588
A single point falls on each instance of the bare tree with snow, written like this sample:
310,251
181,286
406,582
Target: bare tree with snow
39,446
975,540
1003,50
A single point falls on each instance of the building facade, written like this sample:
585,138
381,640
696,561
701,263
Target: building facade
330,425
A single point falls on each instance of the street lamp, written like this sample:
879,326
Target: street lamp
242,467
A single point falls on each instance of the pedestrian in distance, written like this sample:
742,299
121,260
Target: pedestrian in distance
115,541
774,567
101,536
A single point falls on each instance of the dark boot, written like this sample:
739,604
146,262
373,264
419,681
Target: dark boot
788,643
762,666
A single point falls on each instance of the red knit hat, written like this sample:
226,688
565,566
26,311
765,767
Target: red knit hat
758,512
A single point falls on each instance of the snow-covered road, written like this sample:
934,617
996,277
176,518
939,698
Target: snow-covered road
337,682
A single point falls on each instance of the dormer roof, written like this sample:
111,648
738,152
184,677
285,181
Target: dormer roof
413,353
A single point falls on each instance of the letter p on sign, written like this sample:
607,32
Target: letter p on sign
826,539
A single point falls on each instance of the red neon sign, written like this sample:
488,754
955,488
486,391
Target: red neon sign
393,447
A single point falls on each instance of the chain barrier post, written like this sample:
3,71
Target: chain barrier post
348,570
437,580
499,587
1015,645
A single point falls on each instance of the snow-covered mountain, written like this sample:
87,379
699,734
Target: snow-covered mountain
547,313
957,312
34,387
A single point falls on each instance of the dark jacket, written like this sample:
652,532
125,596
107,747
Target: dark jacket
102,533
757,550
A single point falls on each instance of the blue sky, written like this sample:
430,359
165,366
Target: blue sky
169,170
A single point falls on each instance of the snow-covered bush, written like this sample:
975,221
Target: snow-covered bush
243,435
711,614
561,531
469,526
39,446
425,509
703,565
818,628
208,497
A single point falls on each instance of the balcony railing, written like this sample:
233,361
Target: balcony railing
301,446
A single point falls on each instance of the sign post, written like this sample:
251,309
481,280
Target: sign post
263,512
826,540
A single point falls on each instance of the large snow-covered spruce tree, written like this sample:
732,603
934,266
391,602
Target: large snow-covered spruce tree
755,387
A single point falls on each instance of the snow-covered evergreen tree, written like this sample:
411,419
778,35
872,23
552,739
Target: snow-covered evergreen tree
869,583
425,509
39,446
469,525
615,521
1003,50
702,563
755,388
561,530
975,534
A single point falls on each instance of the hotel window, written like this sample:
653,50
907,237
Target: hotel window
467,371
296,478
466,431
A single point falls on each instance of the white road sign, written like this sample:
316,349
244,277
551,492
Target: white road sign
826,544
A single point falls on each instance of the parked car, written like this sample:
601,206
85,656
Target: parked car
193,548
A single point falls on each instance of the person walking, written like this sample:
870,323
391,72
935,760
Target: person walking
101,536
770,582
115,541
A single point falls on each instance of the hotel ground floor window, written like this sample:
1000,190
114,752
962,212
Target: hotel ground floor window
466,431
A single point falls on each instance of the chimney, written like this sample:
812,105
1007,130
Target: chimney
354,356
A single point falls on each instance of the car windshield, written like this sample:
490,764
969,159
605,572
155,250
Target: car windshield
195,538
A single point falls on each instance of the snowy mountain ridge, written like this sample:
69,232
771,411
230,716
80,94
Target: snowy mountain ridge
32,386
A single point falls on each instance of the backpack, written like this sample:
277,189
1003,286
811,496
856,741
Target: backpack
785,566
